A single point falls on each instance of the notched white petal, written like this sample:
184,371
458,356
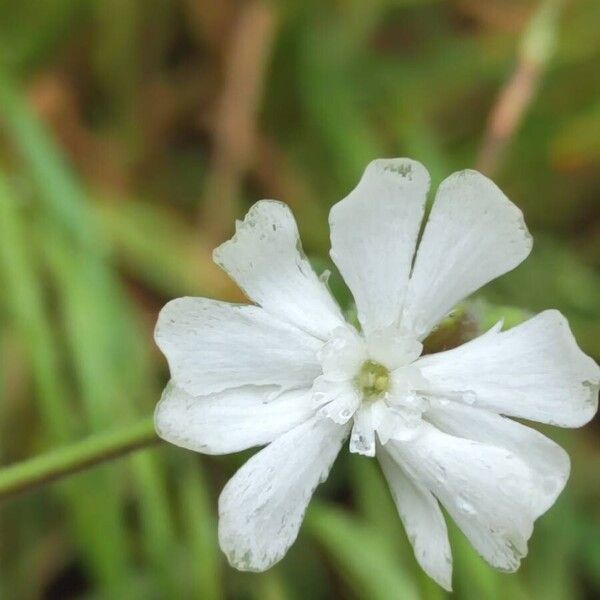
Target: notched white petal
265,258
534,371
422,519
548,462
263,505
229,421
373,236
490,492
212,346
474,234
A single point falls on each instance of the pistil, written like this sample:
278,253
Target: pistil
373,379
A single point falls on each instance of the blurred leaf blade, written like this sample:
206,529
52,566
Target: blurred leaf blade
361,557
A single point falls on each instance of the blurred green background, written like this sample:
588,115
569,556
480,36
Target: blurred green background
133,133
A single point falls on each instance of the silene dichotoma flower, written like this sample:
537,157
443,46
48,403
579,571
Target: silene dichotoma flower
289,372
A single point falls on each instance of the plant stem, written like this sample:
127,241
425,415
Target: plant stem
97,448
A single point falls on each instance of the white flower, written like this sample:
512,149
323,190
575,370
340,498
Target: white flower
293,374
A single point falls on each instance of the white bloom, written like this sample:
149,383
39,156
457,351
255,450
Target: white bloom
293,374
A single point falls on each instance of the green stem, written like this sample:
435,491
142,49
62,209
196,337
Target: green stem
75,457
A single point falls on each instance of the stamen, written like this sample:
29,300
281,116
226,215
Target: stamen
373,379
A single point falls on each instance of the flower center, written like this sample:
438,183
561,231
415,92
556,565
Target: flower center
373,379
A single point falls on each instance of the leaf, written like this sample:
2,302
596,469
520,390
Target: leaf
359,555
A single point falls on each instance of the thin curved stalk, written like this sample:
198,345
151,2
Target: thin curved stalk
75,457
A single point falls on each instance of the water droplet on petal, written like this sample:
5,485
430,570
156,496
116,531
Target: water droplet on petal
469,397
466,507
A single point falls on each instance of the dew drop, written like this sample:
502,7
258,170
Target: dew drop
466,507
469,397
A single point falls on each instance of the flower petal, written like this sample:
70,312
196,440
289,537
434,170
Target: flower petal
229,421
533,371
547,460
337,400
342,355
263,505
212,346
373,237
422,519
265,259
474,234
362,438
392,348
488,491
